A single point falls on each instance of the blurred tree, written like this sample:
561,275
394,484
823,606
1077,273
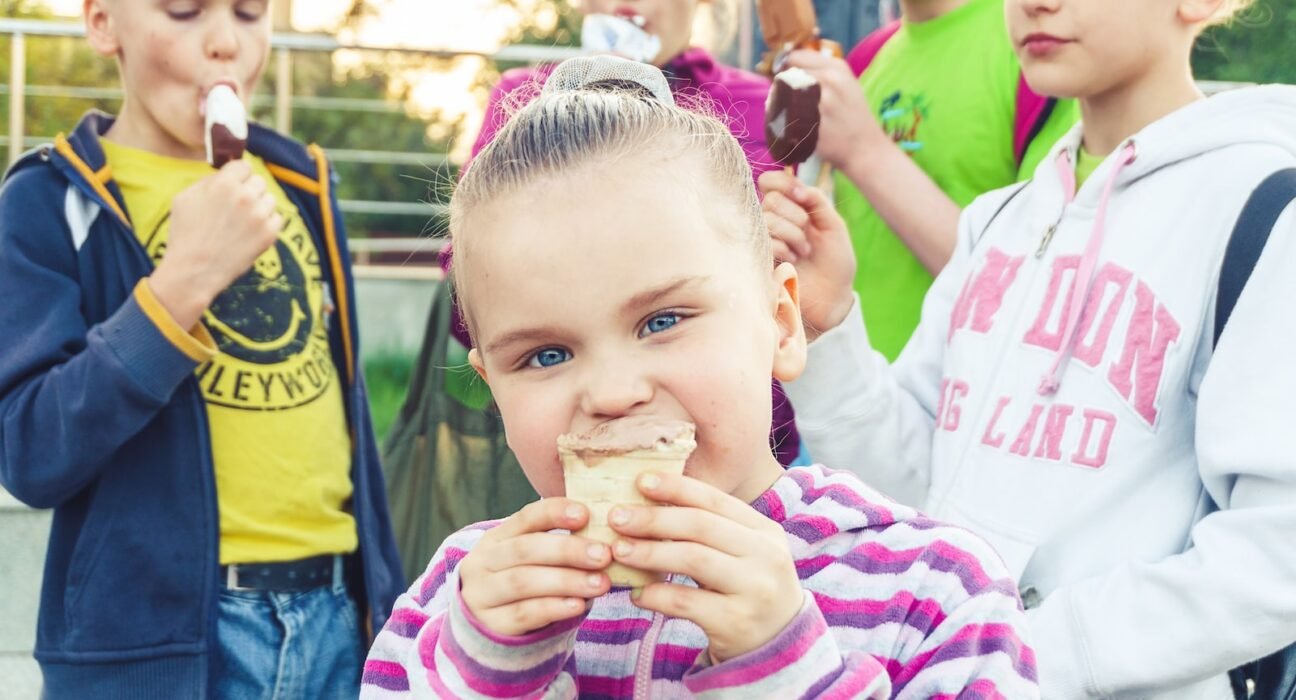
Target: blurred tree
54,61
1256,47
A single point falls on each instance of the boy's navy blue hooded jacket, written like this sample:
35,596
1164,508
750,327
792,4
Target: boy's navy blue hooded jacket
102,419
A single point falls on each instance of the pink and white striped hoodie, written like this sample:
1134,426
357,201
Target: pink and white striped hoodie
896,606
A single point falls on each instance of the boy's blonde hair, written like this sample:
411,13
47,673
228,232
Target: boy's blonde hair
600,109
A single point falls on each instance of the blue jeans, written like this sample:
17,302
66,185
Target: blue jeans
274,646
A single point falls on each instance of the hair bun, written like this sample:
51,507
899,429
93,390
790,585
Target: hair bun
608,73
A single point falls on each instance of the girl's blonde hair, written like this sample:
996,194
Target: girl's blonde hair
599,109
1228,10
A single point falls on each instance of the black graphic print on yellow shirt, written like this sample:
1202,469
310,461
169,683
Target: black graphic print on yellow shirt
269,325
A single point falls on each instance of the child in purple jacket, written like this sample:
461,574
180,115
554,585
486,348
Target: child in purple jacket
598,285
695,77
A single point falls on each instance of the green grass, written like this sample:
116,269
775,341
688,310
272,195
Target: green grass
387,376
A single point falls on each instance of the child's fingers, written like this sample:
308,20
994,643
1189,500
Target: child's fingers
526,616
684,524
776,181
236,170
811,61
782,253
778,203
703,608
679,490
526,582
541,516
783,231
823,215
710,567
546,549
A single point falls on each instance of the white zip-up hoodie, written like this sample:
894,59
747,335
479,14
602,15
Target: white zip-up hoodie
1139,482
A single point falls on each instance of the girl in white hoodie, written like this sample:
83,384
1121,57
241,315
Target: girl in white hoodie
1064,396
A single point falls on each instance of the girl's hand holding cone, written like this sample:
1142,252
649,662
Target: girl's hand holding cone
749,590
521,576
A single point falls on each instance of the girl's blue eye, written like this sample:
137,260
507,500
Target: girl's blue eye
659,323
549,357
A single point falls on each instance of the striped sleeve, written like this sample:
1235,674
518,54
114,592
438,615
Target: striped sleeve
974,647
433,647
802,661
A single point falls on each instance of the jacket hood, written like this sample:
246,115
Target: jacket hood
1248,116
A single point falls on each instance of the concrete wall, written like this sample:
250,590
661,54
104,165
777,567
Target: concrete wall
23,533
393,306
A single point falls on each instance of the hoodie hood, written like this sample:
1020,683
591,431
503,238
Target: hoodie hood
1256,115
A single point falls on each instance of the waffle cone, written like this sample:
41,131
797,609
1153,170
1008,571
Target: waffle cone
603,481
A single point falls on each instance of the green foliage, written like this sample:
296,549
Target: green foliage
394,129
1255,48
57,61
387,378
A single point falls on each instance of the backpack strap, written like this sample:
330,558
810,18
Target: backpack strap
1248,239
864,52
1033,112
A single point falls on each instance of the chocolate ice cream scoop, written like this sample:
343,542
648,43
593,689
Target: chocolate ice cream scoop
792,117
628,434
226,128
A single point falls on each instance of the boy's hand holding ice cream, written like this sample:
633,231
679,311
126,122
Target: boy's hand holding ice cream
220,225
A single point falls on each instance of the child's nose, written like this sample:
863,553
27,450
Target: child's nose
613,390
221,39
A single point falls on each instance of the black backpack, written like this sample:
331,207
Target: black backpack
1273,677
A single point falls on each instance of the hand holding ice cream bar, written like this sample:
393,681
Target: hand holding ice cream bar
601,468
226,129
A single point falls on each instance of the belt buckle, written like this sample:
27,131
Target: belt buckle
231,579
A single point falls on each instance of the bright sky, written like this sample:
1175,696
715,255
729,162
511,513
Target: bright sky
474,25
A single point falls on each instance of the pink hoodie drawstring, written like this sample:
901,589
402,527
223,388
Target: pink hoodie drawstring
1052,380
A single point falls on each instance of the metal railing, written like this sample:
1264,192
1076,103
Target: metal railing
283,101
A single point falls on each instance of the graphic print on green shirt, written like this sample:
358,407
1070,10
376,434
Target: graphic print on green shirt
946,92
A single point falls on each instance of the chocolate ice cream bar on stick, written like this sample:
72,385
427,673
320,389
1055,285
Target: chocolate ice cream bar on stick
226,126
786,22
792,118
788,25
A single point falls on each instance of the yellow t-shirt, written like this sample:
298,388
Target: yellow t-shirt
279,437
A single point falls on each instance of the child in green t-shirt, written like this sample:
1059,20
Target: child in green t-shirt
944,90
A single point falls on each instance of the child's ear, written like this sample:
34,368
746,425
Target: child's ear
790,353
99,28
1196,13
475,359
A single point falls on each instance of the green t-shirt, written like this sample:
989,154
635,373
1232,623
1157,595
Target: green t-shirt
1086,164
946,91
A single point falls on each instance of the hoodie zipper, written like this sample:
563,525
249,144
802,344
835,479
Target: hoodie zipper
643,665
1048,235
